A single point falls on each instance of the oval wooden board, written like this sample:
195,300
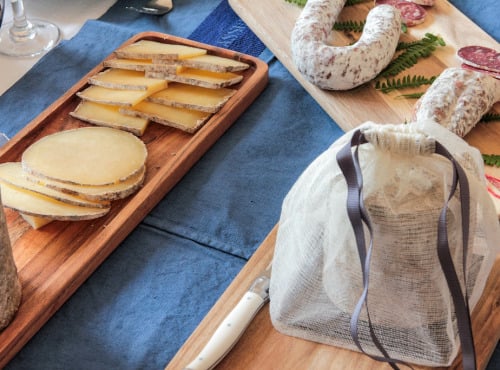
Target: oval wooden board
55,260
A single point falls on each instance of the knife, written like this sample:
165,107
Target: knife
232,327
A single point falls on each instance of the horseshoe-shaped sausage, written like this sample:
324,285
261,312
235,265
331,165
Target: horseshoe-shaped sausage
343,67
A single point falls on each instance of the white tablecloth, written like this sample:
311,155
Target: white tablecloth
69,15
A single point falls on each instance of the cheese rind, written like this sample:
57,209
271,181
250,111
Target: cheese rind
184,119
192,97
210,62
86,156
147,49
96,193
127,80
109,116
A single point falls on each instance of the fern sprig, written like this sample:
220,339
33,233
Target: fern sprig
349,26
405,82
489,117
491,159
297,2
411,53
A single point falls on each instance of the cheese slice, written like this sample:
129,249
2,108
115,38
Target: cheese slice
147,49
211,63
35,204
96,193
198,77
184,119
99,94
192,97
109,116
86,156
36,222
127,80
141,65
12,173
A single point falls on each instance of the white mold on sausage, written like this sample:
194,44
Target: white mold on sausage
457,99
343,67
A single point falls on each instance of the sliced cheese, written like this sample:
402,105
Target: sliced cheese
141,65
211,63
35,204
96,193
198,77
184,119
12,173
192,97
147,49
103,95
109,116
36,222
86,156
127,80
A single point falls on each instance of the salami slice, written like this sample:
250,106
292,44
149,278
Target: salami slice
480,57
471,68
411,13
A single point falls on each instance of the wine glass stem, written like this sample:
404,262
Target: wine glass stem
22,28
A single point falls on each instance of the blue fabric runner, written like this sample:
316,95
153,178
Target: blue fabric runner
144,301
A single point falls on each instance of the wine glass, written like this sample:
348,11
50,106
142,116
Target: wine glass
25,37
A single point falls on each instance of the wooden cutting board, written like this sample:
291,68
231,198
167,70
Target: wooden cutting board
263,348
55,260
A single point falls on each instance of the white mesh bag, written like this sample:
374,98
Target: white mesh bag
393,289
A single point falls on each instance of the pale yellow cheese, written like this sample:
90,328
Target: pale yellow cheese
86,156
127,80
211,62
198,77
103,95
96,193
141,65
184,119
109,116
192,97
36,222
12,173
35,204
147,49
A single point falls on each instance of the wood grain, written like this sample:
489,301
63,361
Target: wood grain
54,261
262,347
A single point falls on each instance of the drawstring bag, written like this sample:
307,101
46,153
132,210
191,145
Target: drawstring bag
384,246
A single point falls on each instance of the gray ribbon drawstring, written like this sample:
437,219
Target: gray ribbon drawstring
348,162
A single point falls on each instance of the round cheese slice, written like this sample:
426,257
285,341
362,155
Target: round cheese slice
92,156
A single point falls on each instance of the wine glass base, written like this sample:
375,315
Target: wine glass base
45,36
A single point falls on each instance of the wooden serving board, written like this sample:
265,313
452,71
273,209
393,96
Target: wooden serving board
264,348
55,260
261,346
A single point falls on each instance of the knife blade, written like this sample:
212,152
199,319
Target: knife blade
234,324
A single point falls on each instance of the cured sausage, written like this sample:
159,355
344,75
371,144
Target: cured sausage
343,67
457,99
480,57
411,12
491,73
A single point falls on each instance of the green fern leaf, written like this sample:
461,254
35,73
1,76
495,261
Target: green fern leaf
491,159
490,117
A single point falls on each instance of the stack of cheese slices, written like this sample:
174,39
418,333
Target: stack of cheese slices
73,175
175,85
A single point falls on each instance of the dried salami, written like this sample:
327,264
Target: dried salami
480,57
411,12
471,68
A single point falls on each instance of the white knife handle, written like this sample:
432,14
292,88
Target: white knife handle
228,332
